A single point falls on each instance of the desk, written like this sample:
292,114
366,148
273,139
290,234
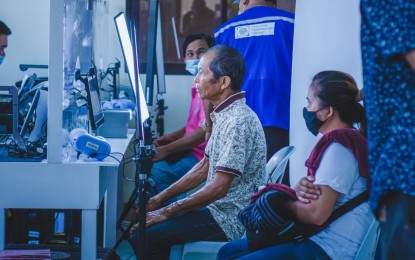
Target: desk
72,185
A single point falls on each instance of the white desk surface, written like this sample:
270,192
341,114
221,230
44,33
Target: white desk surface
70,185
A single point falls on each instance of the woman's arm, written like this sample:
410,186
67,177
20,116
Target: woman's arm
336,174
316,211
306,190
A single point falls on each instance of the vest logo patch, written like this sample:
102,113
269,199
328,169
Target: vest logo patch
261,29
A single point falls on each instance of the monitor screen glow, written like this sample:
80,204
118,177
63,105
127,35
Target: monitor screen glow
96,115
127,48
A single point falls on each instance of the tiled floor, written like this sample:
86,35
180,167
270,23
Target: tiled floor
125,251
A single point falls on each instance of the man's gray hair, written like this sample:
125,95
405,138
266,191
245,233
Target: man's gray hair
229,62
4,29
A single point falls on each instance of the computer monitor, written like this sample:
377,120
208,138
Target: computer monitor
9,106
96,115
30,114
6,111
41,110
27,83
128,52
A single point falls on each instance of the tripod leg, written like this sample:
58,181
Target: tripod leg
143,198
127,208
144,195
111,255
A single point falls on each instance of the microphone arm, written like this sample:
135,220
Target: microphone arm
24,67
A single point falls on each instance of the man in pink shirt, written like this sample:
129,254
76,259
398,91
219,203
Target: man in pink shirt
4,33
179,151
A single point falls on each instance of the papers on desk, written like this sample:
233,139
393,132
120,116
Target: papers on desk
43,254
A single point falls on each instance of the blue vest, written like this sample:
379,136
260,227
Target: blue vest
264,36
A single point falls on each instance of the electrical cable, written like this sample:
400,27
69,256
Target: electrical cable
33,151
124,161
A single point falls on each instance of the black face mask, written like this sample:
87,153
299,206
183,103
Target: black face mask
311,120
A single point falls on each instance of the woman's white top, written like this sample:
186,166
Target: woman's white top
338,169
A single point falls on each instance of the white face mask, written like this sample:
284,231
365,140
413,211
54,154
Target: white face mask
1,59
191,66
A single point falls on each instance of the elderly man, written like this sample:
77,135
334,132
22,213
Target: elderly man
179,151
233,166
4,33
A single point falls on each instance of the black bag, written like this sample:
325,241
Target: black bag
267,222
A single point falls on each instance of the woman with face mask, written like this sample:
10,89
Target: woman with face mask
337,170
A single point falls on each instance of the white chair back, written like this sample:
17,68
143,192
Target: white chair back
367,249
275,167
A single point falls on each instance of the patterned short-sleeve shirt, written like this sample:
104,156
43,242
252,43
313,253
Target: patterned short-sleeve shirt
388,32
237,146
